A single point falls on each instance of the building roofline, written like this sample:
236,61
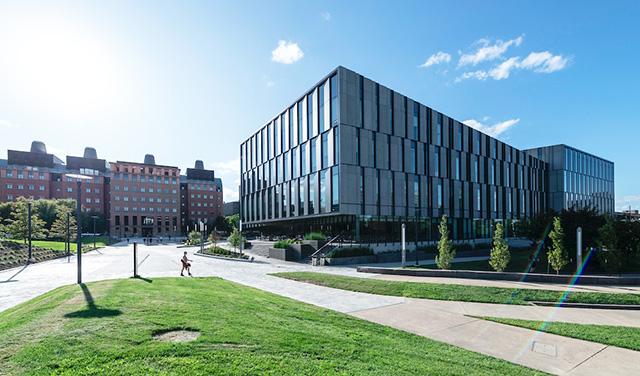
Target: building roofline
143,164
570,147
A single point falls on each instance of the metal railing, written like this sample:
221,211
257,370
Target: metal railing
314,256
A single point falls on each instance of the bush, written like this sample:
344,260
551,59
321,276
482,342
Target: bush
285,243
350,252
217,251
194,238
314,236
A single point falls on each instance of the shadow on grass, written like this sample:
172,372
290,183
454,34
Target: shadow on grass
92,310
144,279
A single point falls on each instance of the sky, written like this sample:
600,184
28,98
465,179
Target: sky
193,80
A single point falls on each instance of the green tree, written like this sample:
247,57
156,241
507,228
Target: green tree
234,239
59,226
446,252
585,217
213,238
194,238
18,225
500,256
233,221
534,227
609,254
557,255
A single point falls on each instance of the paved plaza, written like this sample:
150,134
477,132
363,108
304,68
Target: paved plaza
446,321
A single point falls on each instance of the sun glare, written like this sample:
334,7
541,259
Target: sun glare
66,68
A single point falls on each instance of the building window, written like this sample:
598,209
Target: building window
439,128
362,190
377,104
9,173
361,102
439,194
9,186
334,100
69,189
30,174
301,196
321,123
313,166
391,111
40,175
335,190
310,125
357,146
416,120
20,175
312,195
325,149
41,188
414,157
436,162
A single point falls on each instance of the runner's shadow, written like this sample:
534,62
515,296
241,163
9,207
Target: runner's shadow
92,310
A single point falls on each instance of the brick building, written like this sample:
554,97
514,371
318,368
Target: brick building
201,197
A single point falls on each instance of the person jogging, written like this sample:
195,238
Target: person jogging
185,265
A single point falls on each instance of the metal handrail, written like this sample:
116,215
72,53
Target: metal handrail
329,242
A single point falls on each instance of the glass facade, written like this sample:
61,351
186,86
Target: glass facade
350,160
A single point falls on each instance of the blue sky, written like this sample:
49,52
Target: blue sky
192,80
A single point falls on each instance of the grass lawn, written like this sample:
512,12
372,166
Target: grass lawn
621,336
59,245
463,293
106,328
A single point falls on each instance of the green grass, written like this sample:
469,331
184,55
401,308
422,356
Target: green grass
106,328
620,336
59,245
463,293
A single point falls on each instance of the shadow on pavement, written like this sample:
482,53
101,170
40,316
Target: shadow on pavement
92,310
144,279
11,278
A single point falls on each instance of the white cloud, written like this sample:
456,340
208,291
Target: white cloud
270,83
230,194
625,202
326,16
478,75
286,53
539,62
503,70
440,57
493,130
60,153
232,166
488,52
5,123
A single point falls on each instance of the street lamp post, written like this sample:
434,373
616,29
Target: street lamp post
79,221
68,244
30,259
94,217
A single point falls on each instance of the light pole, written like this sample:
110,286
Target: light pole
79,221
94,217
67,244
30,259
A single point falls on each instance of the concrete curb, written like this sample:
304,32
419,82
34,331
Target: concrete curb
223,258
630,307
521,277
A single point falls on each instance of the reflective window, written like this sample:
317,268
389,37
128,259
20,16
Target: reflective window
416,120
312,195
323,191
325,150
335,190
312,159
301,196
321,124
334,100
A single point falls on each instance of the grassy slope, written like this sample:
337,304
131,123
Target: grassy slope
59,245
454,292
620,336
244,331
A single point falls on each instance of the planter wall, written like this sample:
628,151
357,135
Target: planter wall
285,254
351,260
303,250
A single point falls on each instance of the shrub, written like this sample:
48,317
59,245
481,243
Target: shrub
350,252
217,251
194,238
314,236
285,243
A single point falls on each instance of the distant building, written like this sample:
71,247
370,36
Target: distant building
628,215
200,197
231,208
143,199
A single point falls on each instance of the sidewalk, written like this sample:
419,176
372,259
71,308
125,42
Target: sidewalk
440,320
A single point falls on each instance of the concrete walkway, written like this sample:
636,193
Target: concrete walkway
440,320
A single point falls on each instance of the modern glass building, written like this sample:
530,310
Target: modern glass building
353,155
577,179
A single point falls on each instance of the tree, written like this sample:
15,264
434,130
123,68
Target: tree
233,221
609,254
535,227
59,226
446,252
557,255
234,239
213,238
585,217
500,256
18,225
